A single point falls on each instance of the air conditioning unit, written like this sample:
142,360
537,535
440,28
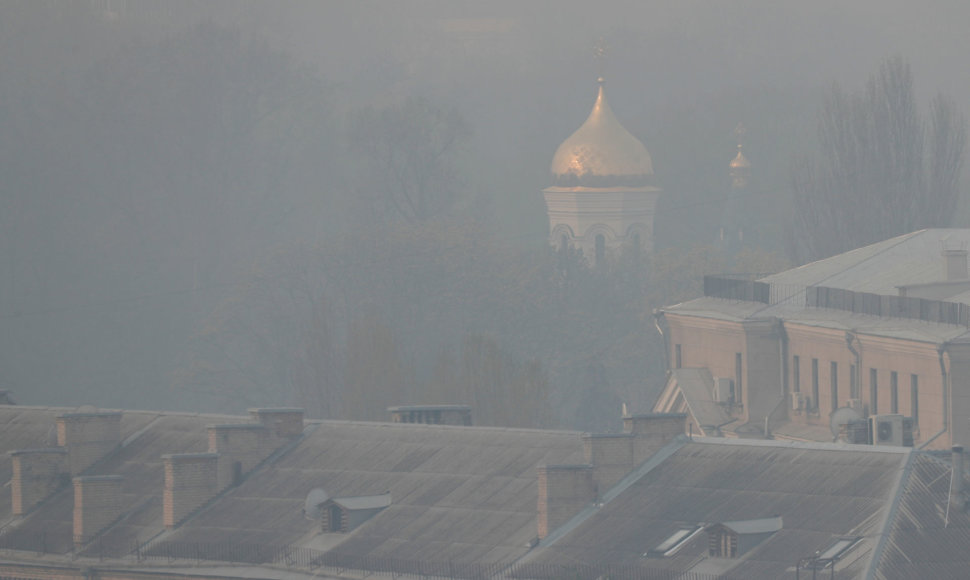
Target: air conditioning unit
800,402
891,430
856,432
724,391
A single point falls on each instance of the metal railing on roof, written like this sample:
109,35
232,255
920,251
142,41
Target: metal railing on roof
940,311
310,559
737,289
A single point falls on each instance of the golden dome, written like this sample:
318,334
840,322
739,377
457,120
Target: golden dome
740,161
739,169
601,152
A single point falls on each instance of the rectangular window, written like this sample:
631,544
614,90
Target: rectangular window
853,383
814,404
834,383
873,393
796,381
893,392
737,378
677,358
914,397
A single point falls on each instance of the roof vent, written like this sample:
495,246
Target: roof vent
313,506
732,539
432,414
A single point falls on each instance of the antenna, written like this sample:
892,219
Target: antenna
311,506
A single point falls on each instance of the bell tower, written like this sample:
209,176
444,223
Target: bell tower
603,194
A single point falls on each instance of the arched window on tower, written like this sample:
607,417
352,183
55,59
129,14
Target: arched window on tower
600,249
564,243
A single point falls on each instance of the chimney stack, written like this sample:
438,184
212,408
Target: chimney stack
37,473
653,430
563,491
240,448
88,437
191,479
955,263
281,421
97,503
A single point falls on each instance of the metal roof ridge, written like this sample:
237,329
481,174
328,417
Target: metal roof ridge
885,527
349,422
584,514
810,445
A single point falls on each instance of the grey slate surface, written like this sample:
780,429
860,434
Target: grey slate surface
466,494
819,492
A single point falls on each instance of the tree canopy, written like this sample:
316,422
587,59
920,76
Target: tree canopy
882,169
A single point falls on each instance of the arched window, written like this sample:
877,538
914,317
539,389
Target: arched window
600,248
564,243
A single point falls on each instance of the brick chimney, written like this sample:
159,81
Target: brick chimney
282,422
563,491
611,457
240,447
88,437
97,503
652,430
37,473
191,479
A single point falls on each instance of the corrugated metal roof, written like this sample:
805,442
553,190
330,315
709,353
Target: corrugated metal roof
926,540
819,492
366,502
912,258
139,463
756,526
465,494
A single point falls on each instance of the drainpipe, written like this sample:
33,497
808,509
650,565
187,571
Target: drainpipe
783,379
658,321
946,390
849,339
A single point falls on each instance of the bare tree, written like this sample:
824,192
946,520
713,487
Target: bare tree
502,388
275,340
873,178
410,148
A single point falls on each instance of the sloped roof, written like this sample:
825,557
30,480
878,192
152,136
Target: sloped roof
696,386
926,539
820,491
467,495
881,268
462,494
140,464
27,427
756,526
366,502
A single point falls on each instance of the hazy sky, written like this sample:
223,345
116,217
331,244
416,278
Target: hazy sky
103,167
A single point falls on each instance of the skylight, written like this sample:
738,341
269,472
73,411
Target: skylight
835,550
676,540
